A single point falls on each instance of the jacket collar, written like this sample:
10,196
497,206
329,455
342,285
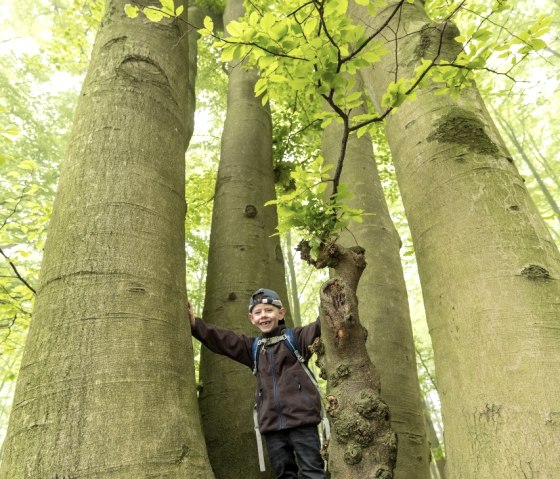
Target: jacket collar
277,331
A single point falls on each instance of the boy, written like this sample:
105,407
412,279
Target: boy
288,403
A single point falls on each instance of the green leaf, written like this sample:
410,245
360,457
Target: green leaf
234,28
310,26
208,24
179,10
327,121
260,86
154,15
482,35
228,53
371,57
27,165
264,99
538,44
167,6
131,11
267,21
9,132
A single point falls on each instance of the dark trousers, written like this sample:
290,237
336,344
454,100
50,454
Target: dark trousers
292,447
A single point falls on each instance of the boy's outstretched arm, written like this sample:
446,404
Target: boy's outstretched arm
221,340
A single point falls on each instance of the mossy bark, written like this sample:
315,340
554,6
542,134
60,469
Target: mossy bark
243,257
383,299
362,444
487,265
106,387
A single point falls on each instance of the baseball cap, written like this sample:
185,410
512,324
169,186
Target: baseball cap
266,296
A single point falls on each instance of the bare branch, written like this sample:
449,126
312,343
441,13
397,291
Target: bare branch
21,278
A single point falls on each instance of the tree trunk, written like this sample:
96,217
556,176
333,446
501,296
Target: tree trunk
362,443
242,258
106,387
487,265
383,300
438,458
293,286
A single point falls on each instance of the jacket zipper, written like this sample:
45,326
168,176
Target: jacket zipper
275,388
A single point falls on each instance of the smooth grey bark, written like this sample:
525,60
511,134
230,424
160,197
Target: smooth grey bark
487,264
106,387
383,300
243,257
293,286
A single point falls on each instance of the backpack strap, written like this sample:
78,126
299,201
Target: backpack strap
260,450
255,347
293,347
292,344
258,343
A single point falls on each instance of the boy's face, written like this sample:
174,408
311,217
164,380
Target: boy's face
266,316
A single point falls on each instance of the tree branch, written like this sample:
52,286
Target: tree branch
21,278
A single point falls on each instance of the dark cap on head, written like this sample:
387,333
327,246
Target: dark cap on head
265,296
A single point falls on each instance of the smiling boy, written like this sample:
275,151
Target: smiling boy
288,403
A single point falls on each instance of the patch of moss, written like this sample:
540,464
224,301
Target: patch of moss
464,128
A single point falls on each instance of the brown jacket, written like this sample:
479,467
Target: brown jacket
286,397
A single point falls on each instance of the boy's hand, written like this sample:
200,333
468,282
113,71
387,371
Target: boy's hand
191,314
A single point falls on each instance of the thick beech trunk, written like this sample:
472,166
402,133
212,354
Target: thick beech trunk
383,300
487,264
106,387
242,258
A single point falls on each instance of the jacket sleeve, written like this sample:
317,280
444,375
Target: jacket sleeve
224,341
306,335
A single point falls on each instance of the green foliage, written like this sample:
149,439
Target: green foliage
397,93
308,210
312,50
300,48
155,14
74,23
304,52
490,40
